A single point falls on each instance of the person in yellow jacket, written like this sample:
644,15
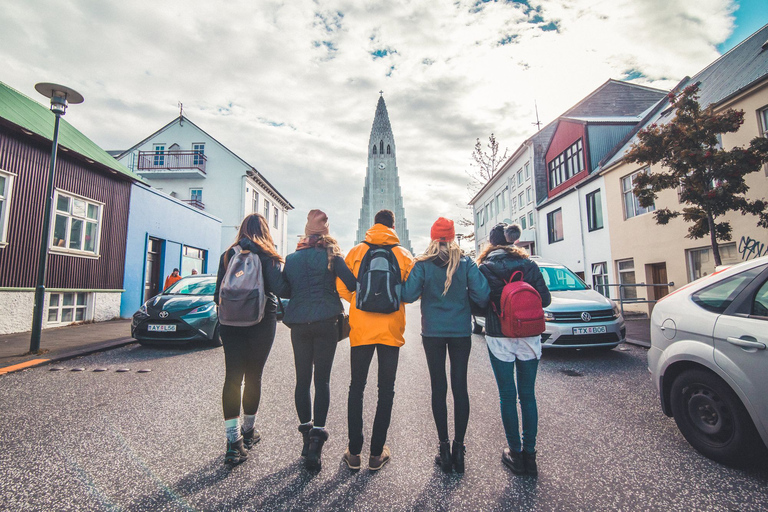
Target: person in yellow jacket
373,332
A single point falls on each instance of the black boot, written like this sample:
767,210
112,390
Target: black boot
457,454
304,428
513,460
529,459
443,457
236,453
317,438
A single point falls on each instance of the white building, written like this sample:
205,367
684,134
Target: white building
184,161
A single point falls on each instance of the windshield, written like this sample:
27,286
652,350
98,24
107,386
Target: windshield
560,279
193,286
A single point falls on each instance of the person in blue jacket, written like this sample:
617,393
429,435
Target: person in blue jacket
446,281
312,314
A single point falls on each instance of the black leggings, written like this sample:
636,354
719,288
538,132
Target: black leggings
245,351
458,351
314,344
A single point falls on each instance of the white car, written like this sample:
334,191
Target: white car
709,362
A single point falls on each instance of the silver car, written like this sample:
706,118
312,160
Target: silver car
578,317
709,362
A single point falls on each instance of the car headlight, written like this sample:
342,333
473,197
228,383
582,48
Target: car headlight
202,309
548,316
616,310
143,309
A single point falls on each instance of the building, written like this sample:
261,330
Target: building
645,252
382,184
155,246
188,164
89,219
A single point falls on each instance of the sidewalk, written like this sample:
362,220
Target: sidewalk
638,331
62,343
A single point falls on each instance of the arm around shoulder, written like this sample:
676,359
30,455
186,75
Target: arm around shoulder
414,284
479,290
344,274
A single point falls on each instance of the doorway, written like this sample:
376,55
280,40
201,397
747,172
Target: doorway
152,269
659,276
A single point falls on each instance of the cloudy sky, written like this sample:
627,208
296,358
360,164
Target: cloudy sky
291,86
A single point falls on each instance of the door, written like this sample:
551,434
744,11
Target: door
152,269
659,276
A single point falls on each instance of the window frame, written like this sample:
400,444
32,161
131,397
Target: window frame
531,222
255,201
55,212
158,154
595,211
198,150
762,123
630,191
266,210
520,178
621,273
6,196
60,307
600,279
552,232
276,217
196,194
566,165
527,170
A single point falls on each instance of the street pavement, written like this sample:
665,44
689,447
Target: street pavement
86,440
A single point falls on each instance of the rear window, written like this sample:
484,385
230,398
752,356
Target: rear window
560,279
719,296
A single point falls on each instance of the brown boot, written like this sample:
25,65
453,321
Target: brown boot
352,461
376,462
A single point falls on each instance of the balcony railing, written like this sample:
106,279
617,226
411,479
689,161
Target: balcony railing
171,161
195,202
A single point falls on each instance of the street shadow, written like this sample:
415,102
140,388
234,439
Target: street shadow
436,494
521,493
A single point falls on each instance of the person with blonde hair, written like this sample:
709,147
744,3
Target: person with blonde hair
446,280
246,348
313,314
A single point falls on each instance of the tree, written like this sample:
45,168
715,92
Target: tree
710,179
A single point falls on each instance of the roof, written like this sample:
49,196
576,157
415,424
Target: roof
252,171
31,116
616,98
738,70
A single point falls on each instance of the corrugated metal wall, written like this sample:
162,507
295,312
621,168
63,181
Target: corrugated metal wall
29,160
603,138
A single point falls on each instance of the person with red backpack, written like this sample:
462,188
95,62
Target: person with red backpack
514,322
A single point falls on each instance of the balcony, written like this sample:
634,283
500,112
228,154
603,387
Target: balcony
171,164
195,202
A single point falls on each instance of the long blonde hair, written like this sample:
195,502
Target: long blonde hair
511,249
256,228
449,251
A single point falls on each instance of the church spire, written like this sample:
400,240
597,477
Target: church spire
381,129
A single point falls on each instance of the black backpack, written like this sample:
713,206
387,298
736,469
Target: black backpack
379,280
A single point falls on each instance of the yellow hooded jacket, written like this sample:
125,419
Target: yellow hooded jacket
369,328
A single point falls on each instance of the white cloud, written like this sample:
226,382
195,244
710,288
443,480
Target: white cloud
292,86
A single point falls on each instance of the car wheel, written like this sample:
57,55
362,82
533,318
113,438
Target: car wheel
712,418
477,328
216,340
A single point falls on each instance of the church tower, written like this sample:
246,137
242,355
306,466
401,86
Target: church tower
382,185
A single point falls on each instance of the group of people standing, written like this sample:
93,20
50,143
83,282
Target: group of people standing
450,285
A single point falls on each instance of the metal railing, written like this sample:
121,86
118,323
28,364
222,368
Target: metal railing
195,202
171,160
634,300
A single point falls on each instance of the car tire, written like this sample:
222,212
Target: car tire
712,418
476,328
216,340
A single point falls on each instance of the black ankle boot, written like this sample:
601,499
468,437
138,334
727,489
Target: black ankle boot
457,454
304,428
513,460
317,438
529,459
443,457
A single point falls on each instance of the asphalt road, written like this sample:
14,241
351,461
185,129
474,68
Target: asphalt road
154,441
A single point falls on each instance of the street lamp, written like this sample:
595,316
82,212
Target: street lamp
60,96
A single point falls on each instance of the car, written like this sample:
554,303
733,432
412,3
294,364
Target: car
708,361
184,312
578,316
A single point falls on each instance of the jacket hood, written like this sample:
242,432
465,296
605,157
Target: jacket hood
502,250
380,234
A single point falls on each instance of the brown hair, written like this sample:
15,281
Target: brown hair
447,251
385,217
511,249
256,229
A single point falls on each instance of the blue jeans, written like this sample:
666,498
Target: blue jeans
508,394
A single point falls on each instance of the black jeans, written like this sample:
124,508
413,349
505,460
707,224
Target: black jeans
458,351
245,352
314,344
360,359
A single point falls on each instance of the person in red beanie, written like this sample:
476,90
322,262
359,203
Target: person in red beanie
446,280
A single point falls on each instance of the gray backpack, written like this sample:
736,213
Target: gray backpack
242,296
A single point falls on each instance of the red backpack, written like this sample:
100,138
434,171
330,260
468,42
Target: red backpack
521,313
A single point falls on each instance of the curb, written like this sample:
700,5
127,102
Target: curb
639,343
68,354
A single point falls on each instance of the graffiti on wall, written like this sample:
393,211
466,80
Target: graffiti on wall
749,248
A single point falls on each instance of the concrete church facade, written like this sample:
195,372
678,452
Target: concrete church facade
382,184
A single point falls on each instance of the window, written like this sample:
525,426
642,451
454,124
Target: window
627,276
76,224
600,278
199,151
521,200
566,165
65,308
389,150
374,149
276,213
763,114
522,222
266,210
255,201
527,170
528,195
504,199
498,203
480,219
196,194
760,304
520,177
530,219
6,185
631,207
555,225
718,297
594,211
192,258
158,158
702,263
512,205
381,147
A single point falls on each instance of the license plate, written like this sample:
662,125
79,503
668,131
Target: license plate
161,328
598,329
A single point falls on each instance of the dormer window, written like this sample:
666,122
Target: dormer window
389,150
374,149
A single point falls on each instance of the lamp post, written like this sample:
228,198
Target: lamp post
60,96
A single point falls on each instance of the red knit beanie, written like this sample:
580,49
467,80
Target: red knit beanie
317,223
442,230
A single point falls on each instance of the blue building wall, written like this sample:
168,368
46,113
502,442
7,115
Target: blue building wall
155,214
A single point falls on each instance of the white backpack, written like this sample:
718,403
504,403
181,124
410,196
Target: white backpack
242,296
